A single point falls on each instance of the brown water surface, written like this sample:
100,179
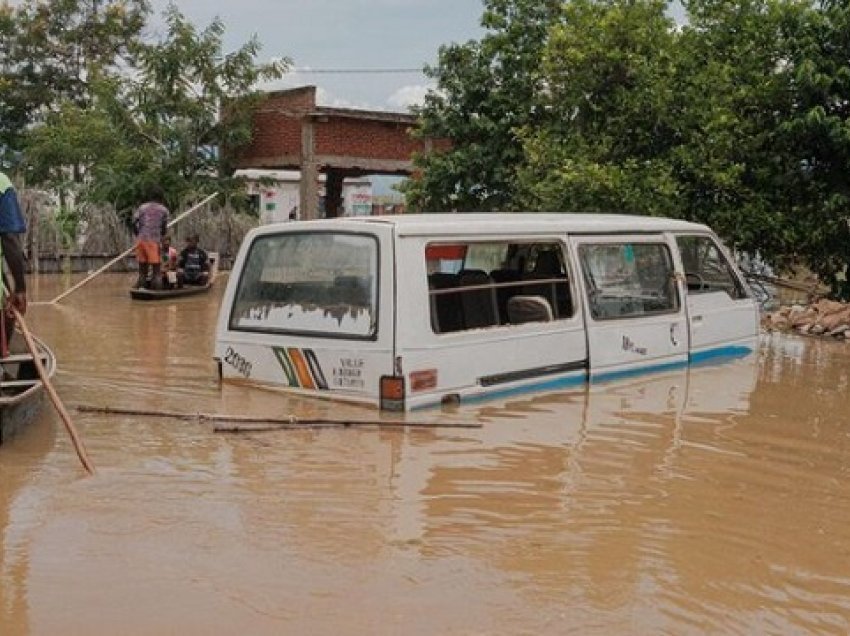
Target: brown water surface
709,500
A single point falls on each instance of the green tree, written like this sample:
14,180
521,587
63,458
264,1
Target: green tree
486,91
732,98
814,139
165,123
52,51
608,68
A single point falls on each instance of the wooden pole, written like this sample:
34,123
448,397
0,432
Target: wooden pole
298,423
255,424
107,410
54,397
126,252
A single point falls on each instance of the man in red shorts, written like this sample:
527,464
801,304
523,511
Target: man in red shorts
150,222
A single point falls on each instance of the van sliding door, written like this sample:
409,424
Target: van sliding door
633,305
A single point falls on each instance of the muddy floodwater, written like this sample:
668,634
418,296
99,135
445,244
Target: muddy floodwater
713,500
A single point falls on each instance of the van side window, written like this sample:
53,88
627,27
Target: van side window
473,285
627,280
706,267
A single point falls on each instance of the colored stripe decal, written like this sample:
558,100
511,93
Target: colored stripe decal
301,368
287,366
316,369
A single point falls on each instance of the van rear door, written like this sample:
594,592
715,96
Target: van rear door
633,304
310,307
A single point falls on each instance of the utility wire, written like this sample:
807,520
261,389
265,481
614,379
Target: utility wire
359,71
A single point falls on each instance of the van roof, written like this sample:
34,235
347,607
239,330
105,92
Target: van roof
523,222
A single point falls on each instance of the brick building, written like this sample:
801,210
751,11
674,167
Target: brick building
292,132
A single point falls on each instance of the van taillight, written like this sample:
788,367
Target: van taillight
392,393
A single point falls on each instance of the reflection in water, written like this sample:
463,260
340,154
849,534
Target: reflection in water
707,500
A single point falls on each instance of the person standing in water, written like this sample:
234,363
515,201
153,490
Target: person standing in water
14,293
149,223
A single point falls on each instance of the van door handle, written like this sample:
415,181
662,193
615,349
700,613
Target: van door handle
674,334
696,319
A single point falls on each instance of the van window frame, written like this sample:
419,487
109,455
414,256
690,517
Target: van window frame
568,279
371,337
742,289
614,240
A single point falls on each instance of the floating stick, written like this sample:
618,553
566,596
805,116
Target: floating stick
245,423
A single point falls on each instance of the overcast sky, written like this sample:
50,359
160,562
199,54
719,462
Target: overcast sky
345,34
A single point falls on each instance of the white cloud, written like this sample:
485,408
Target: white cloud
400,100
291,79
325,97
407,96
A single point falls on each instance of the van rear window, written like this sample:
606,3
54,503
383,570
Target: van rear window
317,283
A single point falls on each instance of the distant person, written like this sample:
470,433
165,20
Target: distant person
193,264
149,223
12,225
169,256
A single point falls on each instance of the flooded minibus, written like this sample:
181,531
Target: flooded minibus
410,311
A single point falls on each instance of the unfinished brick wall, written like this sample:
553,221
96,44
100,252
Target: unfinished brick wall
292,132
340,137
366,139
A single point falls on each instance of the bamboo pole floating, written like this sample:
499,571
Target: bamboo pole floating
127,252
247,423
108,410
295,424
54,397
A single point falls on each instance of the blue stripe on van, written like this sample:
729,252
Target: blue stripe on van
732,351
708,356
629,373
558,383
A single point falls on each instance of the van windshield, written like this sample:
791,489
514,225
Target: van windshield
322,283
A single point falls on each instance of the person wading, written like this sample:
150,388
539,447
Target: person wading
149,223
12,225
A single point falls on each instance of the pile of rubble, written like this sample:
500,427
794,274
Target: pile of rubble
821,318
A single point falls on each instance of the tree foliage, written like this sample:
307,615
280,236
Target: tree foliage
487,90
733,98
814,135
52,51
152,113
608,69
739,118
169,115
